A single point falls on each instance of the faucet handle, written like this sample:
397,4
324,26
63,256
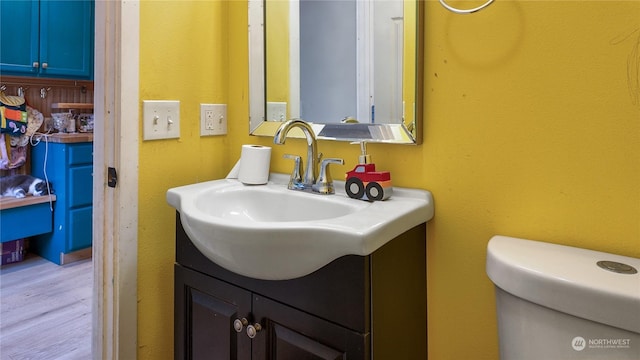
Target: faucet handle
296,174
324,184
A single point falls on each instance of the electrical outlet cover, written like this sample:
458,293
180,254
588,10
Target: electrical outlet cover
276,111
213,119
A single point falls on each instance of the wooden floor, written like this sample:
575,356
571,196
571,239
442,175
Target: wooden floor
45,310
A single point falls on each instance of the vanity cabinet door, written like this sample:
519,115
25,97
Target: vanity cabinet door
289,334
205,312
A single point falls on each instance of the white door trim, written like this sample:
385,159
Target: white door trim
115,210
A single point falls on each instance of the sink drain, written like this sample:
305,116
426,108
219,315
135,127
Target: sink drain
617,267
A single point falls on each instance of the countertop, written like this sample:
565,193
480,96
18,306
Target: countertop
65,138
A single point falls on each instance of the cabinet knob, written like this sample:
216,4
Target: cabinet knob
35,64
45,65
239,324
252,330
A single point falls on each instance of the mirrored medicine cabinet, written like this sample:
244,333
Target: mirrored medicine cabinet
351,68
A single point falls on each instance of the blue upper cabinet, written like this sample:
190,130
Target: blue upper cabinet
66,38
19,37
47,38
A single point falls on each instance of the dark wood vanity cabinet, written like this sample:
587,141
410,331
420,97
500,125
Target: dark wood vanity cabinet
356,307
205,309
206,326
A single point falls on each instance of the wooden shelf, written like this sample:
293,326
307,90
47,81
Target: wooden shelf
12,202
77,106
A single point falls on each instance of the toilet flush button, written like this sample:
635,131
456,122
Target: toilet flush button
617,267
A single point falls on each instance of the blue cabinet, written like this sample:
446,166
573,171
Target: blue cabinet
47,38
69,167
25,217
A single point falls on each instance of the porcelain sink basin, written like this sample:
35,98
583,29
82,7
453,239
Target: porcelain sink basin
265,204
272,233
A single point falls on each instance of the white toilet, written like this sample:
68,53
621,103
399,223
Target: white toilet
558,302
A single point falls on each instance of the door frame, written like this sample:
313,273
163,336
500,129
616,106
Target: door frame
115,210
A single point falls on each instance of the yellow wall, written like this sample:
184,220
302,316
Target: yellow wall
531,132
183,56
532,129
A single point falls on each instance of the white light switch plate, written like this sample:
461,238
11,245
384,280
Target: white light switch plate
213,119
161,119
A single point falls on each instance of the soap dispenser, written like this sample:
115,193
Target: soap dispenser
364,182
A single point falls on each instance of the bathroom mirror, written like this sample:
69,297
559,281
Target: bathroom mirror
351,68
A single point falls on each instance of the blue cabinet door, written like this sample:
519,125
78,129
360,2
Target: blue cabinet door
19,37
80,186
66,38
80,227
47,38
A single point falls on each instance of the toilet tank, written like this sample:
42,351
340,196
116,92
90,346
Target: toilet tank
561,302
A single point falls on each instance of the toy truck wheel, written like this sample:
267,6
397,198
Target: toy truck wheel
374,191
354,188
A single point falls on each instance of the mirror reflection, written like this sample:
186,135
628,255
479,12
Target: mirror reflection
347,66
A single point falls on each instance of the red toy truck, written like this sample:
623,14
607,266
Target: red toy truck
364,182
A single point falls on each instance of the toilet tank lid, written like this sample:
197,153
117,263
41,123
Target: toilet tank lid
567,279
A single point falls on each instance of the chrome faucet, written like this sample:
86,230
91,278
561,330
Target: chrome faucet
308,179
311,171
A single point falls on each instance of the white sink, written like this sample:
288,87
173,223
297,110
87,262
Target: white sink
272,233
